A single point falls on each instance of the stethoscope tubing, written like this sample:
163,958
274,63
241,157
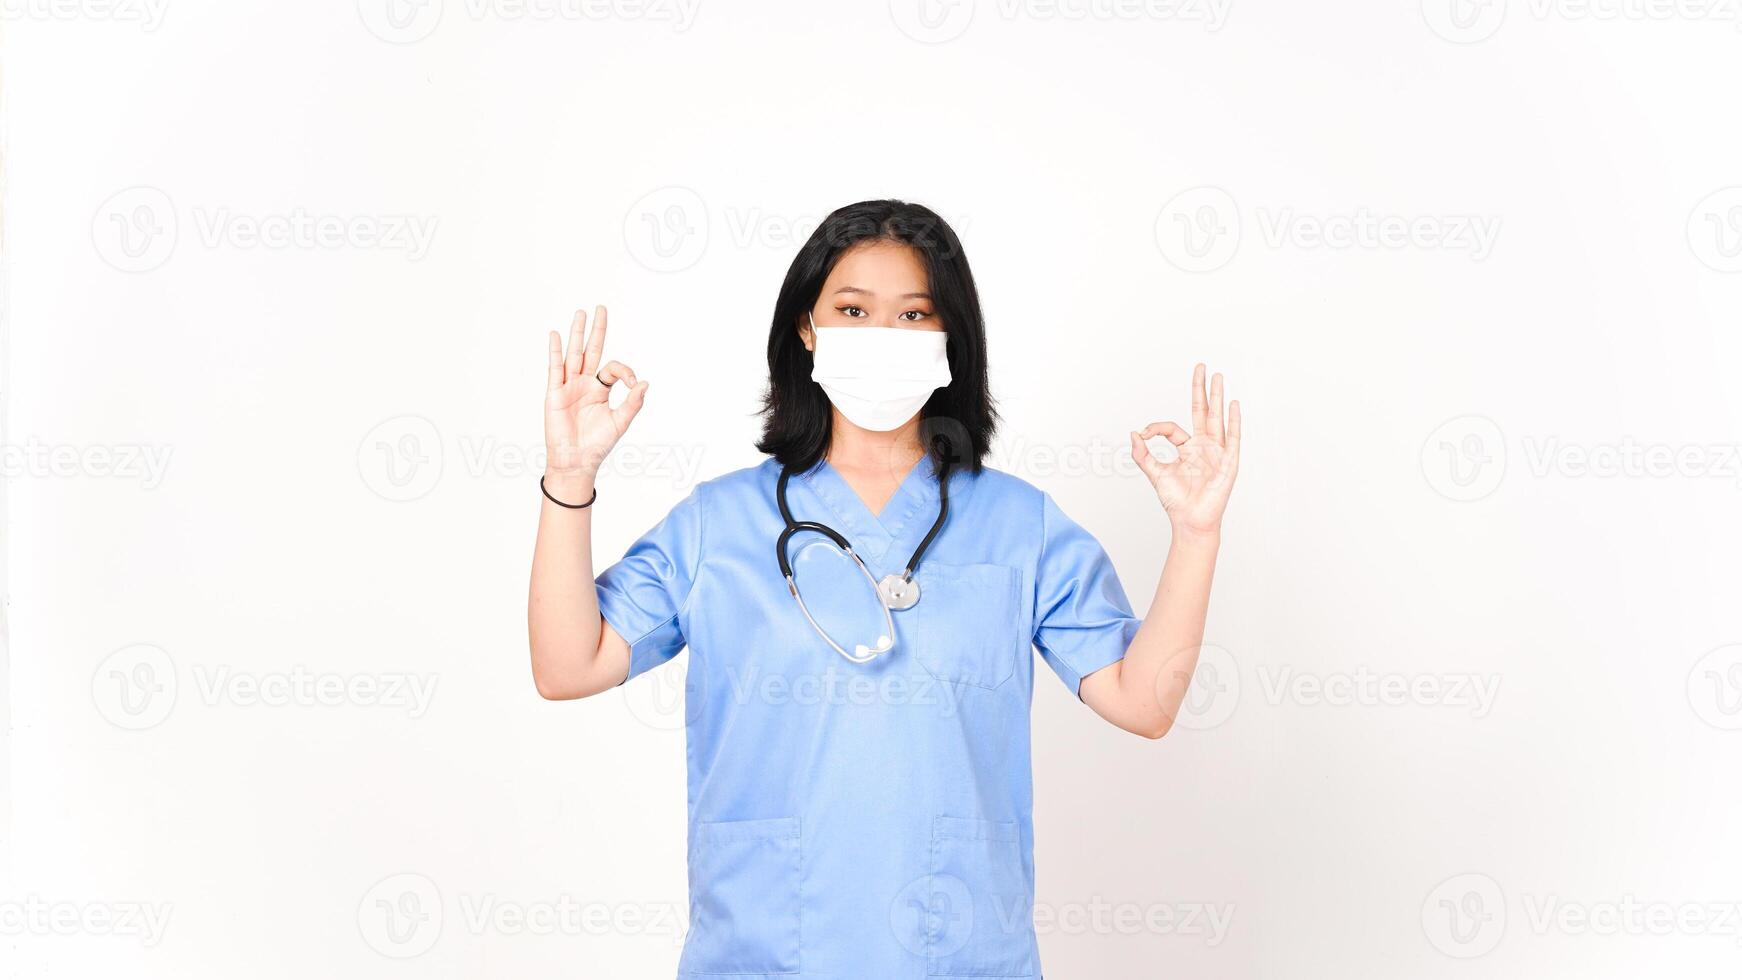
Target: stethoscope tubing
886,599
794,526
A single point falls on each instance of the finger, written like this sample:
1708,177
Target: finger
1174,433
596,342
577,328
1233,437
555,380
613,372
1141,455
1230,465
631,407
1214,428
1199,406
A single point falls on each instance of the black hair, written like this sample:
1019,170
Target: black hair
958,421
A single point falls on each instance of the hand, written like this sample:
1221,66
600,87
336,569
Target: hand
1194,488
580,426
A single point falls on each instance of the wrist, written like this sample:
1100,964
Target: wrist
569,487
1186,534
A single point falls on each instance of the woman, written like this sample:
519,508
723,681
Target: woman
858,698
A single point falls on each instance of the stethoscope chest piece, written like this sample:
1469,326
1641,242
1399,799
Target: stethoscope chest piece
898,592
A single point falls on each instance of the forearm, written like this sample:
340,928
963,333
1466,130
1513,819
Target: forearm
1149,685
574,651
562,609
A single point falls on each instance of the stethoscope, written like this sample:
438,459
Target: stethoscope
895,591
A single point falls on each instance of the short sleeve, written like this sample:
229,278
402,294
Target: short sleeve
1082,619
642,595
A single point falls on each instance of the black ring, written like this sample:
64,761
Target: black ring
601,381
559,503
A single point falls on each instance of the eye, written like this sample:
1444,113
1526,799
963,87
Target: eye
913,316
852,311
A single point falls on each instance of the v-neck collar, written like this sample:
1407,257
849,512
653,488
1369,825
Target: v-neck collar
914,503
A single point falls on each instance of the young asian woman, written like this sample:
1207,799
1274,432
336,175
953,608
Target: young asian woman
880,823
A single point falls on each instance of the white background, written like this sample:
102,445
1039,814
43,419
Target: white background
1504,464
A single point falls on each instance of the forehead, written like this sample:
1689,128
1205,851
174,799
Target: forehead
880,267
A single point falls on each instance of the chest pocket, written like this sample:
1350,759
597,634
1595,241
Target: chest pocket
969,622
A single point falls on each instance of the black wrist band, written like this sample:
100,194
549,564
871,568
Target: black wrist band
559,503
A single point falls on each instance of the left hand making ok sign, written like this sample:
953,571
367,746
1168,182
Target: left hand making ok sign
1194,488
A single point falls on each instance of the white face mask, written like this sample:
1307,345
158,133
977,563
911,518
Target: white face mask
879,377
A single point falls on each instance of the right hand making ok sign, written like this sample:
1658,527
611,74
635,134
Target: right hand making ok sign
580,426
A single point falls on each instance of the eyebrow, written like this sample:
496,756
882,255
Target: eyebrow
867,292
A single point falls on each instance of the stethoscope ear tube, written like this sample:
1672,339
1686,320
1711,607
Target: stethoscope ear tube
823,529
887,641
890,593
793,527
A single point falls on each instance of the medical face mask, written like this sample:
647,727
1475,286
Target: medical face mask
879,377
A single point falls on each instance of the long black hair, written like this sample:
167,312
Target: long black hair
958,421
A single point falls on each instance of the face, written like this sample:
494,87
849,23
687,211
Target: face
874,284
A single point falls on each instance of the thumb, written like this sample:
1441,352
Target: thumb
631,407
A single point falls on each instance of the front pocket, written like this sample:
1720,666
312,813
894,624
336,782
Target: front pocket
983,914
969,622
744,898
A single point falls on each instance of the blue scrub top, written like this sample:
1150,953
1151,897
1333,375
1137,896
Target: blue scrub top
865,822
